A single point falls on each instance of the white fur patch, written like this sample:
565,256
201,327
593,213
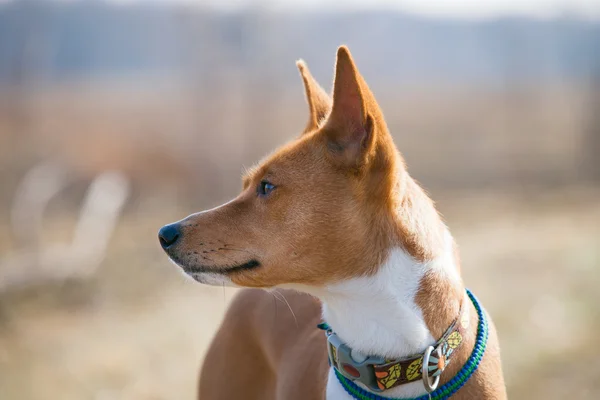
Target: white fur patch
378,314
213,279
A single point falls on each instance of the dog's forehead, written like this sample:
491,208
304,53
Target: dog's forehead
296,158
288,157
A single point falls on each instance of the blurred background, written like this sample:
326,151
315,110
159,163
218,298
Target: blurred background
118,117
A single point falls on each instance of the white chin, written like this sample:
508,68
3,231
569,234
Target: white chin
207,278
211,279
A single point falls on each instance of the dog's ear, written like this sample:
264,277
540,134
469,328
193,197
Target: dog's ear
350,126
319,102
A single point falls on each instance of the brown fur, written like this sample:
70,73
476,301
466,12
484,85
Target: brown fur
267,361
342,200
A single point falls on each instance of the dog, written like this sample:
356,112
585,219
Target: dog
333,225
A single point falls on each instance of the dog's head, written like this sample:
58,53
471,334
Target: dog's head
320,209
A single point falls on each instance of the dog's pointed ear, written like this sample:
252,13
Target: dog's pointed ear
349,128
319,102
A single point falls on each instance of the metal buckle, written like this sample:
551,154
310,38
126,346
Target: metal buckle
429,386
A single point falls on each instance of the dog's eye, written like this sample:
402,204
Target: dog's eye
265,188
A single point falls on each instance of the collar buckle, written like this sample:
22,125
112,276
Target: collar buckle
431,385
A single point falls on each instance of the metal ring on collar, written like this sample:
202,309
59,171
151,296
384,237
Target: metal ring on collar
429,386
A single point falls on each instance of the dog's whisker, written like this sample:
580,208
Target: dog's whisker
289,307
274,303
276,298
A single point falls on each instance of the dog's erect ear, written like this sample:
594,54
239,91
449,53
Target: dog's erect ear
319,102
350,126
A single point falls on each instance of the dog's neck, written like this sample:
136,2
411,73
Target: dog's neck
379,314
388,313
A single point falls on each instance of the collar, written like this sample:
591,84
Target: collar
379,374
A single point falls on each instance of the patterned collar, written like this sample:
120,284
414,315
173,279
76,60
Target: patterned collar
379,374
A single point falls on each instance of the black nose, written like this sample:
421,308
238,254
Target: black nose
168,235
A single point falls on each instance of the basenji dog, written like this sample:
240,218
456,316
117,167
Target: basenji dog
335,216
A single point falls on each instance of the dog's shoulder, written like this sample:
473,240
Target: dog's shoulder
278,331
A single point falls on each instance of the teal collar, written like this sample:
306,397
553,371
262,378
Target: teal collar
451,387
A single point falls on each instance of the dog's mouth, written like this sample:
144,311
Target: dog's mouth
231,269
213,275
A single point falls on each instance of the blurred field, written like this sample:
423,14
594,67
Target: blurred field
510,170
